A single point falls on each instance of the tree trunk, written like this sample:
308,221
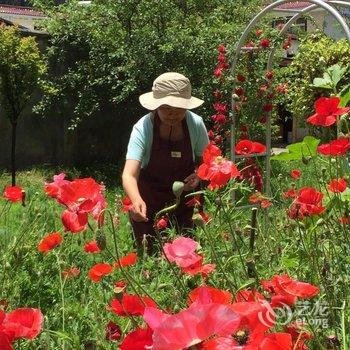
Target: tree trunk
13,152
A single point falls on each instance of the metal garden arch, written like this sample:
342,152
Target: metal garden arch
326,5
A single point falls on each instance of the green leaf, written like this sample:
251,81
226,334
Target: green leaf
296,151
336,72
344,96
345,196
322,83
290,262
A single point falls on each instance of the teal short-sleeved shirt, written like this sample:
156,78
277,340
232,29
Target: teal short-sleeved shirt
140,142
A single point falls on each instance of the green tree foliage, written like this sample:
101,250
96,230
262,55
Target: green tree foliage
20,69
111,51
316,53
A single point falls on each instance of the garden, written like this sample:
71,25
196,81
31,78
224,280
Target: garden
266,265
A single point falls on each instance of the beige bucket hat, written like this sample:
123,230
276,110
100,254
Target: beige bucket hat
172,89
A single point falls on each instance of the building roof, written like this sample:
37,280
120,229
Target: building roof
297,5
20,10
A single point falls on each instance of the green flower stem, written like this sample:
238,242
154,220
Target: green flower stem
131,281
343,327
235,240
234,284
159,239
62,283
4,208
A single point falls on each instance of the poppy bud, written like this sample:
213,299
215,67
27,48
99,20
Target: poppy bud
101,240
333,342
198,219
251,268
235,97
23,198
178,188
305,160
218,201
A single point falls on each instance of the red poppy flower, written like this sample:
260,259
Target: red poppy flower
222,48
295,173
265,43
327,111
289,194
205,217
221,57
307,203
5,343
337,147
199,268
252,173
161,223
287,44
127,205
52,189
344,220
74,221
92,247
49,242
207,294
119,287
215,168
98,271
263,119
13,193
194,202
259,198
282,88
72,272
113,331
139,339
250,295
79,191
220,107
283,300
217,94
249,147
281,341
182,251
23,323
298,330
127,260
191,326
239,91
258,32
269,75
284,285
337,186
219,118
81,197
241,78
255,319
130,305
218,72
268,107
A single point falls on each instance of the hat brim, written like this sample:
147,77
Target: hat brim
149,102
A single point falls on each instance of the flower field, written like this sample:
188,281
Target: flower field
257,271
273,276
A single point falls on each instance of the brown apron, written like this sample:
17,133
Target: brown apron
169,161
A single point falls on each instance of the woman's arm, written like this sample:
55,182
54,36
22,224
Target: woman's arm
129,178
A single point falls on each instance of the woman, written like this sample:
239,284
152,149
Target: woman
163,148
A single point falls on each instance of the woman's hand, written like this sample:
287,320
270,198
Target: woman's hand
191,182
138,212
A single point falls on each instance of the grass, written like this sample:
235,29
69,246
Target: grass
76,309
